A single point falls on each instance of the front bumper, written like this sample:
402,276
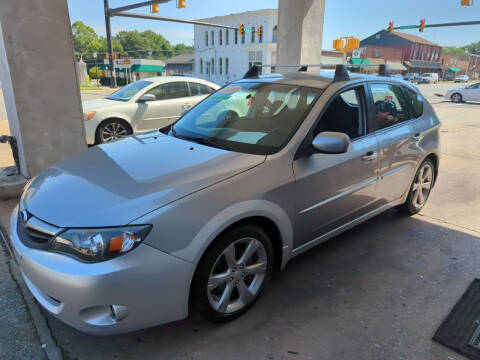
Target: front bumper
146,287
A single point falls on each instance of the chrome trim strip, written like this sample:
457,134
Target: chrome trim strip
344,227
393,171
41,226
342,194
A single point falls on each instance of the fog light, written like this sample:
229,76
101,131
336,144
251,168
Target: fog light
119,312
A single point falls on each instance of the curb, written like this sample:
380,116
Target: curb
49,346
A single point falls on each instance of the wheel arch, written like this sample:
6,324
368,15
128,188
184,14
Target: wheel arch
119,118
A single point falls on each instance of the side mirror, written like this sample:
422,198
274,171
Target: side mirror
146,98
329,142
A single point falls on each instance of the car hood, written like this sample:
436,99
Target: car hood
92,105
115,183
455,89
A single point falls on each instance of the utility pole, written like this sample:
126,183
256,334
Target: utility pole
113,82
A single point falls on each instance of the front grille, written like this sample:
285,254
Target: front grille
34,232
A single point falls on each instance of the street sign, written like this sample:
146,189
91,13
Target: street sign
404,27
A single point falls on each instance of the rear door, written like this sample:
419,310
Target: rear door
333,189
398,136
171,98
198,92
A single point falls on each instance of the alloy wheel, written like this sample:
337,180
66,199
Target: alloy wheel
456,97
422,185
237,275
113,131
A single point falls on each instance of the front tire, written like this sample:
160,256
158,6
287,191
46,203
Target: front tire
232,273
420,189
456,98
111,130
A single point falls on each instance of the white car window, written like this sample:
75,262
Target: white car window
173,90
197,89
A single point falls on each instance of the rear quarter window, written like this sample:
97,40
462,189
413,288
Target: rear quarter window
416,103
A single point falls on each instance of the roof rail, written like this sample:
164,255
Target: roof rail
252,72
384,70
303,68
341,73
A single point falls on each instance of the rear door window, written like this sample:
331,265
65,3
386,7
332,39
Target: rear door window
416,103
390,105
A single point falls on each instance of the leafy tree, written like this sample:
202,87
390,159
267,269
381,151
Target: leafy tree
85,39
180,49
139,43
452,50
473,48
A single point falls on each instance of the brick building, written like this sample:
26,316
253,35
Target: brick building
454,65
418,54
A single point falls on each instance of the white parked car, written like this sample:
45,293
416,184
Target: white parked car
429,78
147,104
461,78
468,93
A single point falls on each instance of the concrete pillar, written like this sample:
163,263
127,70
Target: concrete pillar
300,30
40,87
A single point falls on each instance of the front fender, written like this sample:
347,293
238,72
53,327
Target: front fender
233,214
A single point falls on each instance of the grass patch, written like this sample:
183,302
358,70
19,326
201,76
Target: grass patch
88,87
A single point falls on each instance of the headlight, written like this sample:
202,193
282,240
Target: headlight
89,115
95,245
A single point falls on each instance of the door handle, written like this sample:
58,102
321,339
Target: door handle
369,156
417,137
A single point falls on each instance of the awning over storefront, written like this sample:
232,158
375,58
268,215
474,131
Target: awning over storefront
423,64
395,65
104,67
359,62
454,69
148,68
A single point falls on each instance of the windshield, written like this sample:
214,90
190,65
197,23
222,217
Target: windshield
255,118
129,91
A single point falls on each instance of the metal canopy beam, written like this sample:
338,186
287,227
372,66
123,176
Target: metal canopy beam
163,18
135,6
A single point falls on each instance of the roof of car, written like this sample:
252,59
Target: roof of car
165,79
320,80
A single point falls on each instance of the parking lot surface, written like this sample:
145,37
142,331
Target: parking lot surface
378,291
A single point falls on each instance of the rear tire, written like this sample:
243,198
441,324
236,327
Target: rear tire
456,98
232,273
420,189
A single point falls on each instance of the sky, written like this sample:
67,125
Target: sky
342,17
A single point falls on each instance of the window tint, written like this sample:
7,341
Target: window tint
172,90
344,114
416,103
197,89
390,105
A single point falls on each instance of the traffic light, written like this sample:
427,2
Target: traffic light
242,29
466,2
155,9
181,4
352,44
259,31
338,44
390,27
422,25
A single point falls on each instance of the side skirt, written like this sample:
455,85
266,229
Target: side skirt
343,228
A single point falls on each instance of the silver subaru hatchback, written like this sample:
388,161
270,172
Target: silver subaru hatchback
138,232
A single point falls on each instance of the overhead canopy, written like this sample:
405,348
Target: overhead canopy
147,68
104,67
454,69
359,62
423,64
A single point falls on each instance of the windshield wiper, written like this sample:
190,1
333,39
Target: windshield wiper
200,140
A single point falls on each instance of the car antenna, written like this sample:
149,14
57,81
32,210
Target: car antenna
303,68
341,73
384,70
252,72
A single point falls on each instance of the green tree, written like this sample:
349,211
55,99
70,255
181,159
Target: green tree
473,48
452,50
180,49
140,43
85,39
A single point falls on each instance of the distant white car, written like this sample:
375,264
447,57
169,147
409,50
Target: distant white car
429,78
468,93
147,104
461,78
